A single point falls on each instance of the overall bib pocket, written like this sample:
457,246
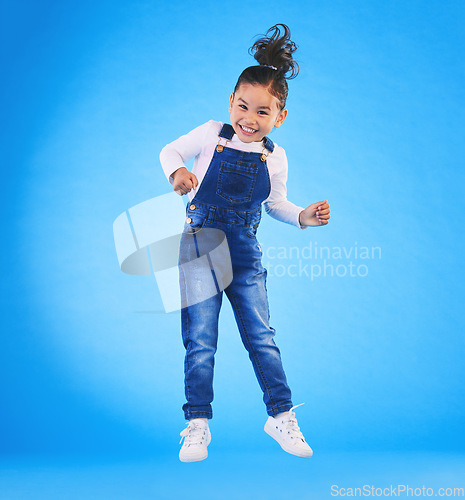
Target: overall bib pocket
236,181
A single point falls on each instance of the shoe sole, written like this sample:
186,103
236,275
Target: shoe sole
196,459
287,449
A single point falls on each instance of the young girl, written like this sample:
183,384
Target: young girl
236,169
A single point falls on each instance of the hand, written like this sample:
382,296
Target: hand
184,181
316,214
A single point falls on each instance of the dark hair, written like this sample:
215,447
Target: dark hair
274,54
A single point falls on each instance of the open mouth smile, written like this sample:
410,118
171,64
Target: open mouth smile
247,130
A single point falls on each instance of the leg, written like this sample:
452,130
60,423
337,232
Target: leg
248,296
199,323
200,337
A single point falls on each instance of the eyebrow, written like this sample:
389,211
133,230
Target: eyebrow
260,107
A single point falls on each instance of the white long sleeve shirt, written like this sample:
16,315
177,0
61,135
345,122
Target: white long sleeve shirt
201,143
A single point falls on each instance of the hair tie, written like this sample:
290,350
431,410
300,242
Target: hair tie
272,67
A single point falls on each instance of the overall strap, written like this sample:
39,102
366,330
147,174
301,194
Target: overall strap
226,132
268,144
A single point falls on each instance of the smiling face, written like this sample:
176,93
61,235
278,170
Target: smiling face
254,112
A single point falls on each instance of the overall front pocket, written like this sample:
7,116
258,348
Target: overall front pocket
252,231
236,181
194,222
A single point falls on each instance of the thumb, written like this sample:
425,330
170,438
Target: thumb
195,182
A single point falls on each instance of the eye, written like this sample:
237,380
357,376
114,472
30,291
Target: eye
262,113
243,106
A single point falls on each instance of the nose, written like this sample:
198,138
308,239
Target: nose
249,119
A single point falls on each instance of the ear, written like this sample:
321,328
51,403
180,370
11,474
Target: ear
281,117
231,100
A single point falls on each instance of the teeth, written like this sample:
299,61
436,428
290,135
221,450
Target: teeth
247,129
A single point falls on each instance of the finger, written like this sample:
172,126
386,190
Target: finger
186,186
322,212
318,204
195,182
180,189
183,188
324,216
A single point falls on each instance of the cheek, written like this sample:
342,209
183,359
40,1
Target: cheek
272,121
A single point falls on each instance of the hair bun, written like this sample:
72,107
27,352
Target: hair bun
275,50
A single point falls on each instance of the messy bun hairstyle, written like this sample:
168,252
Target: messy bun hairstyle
274,54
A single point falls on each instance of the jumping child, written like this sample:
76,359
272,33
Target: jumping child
237,168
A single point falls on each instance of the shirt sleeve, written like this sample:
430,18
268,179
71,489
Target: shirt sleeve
277,205
175,154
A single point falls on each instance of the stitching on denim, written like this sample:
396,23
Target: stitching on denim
219,184
198,219
264,380
188,348
251,233
227,131
199,414
268,316
185,314
269,180
275,410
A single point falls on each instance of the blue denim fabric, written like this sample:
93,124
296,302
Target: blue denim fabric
229,199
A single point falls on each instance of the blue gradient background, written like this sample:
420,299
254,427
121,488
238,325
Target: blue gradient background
92,369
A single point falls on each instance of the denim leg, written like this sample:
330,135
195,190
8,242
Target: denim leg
200,337
248,296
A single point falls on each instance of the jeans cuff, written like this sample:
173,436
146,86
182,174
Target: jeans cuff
197,412
276,410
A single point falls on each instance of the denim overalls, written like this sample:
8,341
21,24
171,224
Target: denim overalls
230,199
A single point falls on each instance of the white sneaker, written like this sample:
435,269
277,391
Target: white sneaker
196,439
286,432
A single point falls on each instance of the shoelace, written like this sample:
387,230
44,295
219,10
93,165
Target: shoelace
194,433
292,426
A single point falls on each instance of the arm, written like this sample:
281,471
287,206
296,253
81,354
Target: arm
175,154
